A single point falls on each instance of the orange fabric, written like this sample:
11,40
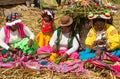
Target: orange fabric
43,39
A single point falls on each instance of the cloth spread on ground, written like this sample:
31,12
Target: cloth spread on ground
106,56
106,61
63,67
74,66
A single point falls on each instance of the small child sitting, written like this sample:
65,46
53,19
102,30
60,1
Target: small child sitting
46,28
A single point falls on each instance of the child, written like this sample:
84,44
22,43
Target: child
46,28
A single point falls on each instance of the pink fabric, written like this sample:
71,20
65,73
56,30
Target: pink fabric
107,56
74,55
1,57
65,67
32,65
5,55
8,65
7,32
116,67
44,49
21,30
116,71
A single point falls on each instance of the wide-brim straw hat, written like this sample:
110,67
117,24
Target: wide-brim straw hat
65,21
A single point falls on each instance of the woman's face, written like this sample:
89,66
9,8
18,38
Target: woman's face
99,25
65,29
14,27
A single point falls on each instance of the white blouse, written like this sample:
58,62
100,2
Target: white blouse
64,42
14,36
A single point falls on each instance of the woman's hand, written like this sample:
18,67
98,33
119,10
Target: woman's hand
30,42
64,57
55,48
13,50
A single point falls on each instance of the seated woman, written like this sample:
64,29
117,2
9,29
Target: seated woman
63,41
102,37
15,35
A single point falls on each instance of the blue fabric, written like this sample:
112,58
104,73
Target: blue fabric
87,54
116,52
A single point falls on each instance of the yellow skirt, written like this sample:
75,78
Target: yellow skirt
43,39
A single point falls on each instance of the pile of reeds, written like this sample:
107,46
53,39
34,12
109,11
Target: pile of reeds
23,73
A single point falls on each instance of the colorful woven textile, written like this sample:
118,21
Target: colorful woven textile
109,57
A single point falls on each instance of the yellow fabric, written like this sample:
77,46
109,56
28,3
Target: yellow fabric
43,39
112,36
91,36
53,56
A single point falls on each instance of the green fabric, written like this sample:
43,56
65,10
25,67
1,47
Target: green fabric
58,38
57,60
70,42
7,59
4,51
108,62
23,44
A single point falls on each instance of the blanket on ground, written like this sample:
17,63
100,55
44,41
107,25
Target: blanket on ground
107,61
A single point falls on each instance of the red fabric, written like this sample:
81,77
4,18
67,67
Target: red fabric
47,27
116,67
108,56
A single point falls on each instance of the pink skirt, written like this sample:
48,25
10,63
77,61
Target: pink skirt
45,49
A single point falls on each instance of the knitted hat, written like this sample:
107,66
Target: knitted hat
105,15
12,19
48,13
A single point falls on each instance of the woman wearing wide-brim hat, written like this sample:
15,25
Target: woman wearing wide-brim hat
102,37
63,41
